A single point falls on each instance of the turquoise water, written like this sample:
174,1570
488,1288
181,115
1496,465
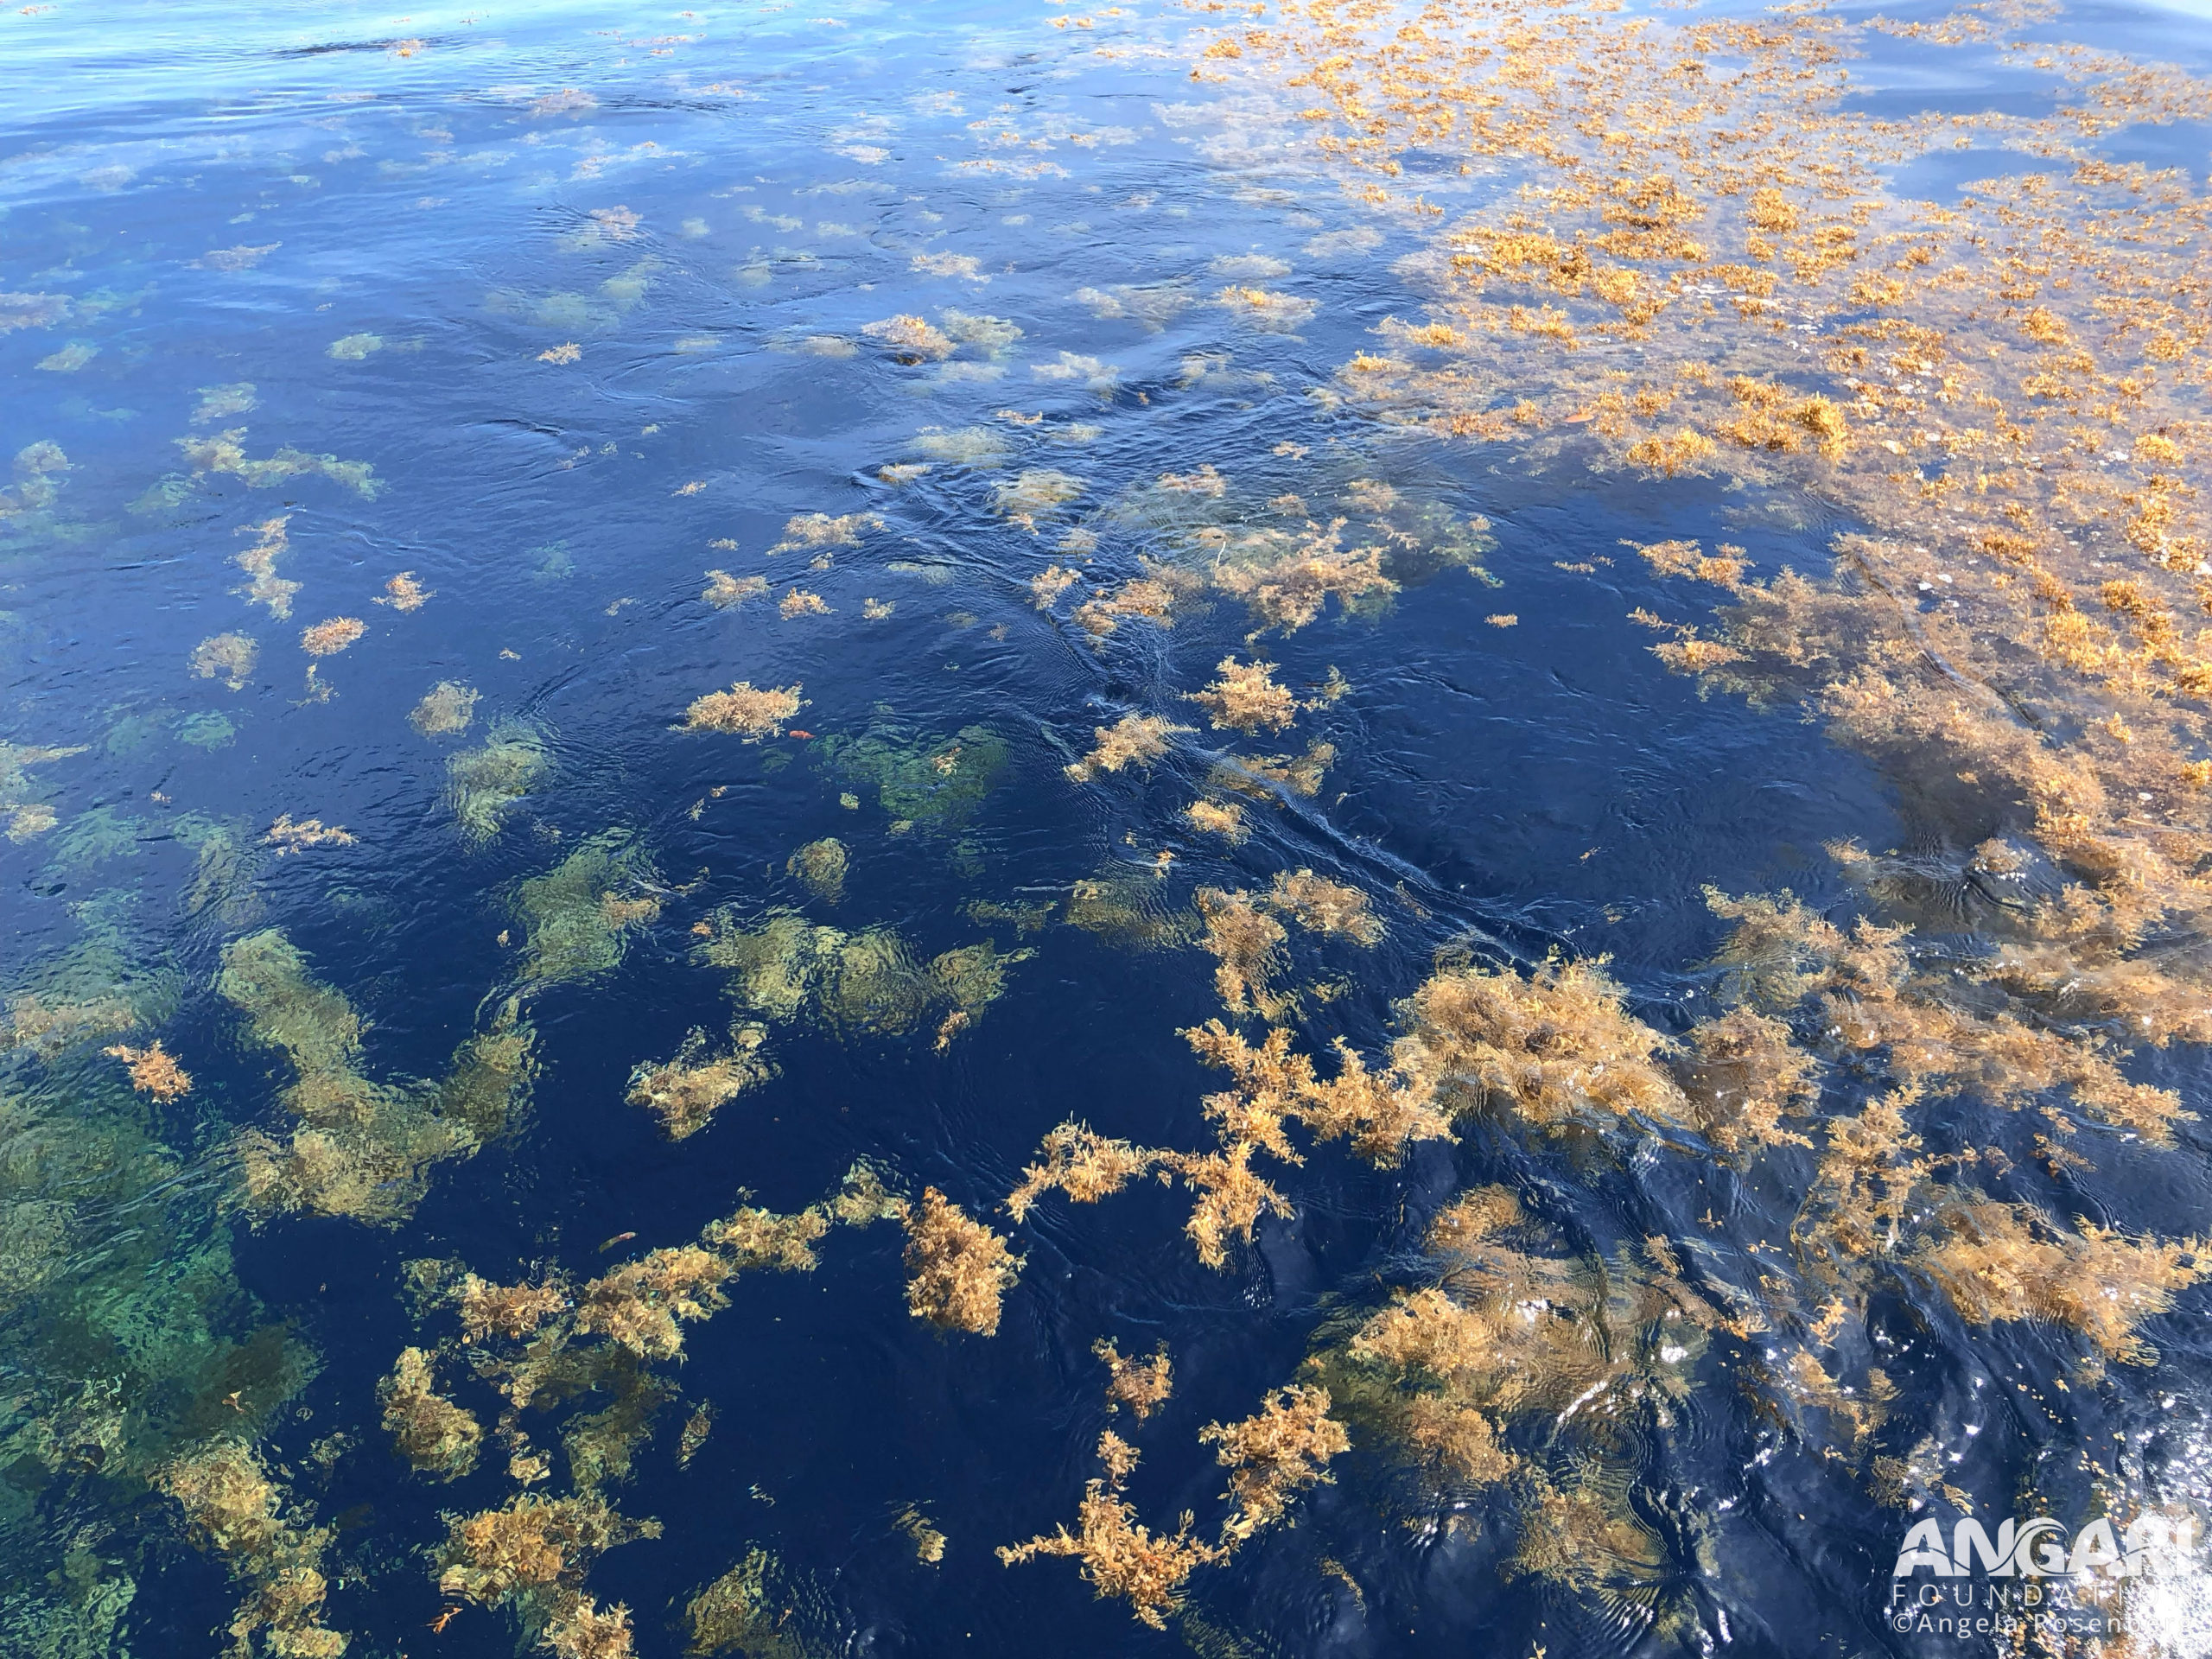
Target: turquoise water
516,343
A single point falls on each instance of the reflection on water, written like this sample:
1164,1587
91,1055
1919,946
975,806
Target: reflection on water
1261,829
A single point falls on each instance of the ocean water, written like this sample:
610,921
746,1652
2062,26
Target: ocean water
414,417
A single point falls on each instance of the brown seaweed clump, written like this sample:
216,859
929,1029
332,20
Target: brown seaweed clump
1276,1454
484,784
1380,1114
429,1431
1320,905
911,339
510,1312
289,834
404,593
1289,588
1246,944
2008,643
723,591
329,637
264,586
1048,584
1559,1050
759,1608
1555,1047
1260,777
531,1555
684,1092
1999,1262
1134,739
958,1270
1142,1385
802,602
864,982
1157,596
817,531
233,1507
1034,491
744,711
1271,1457
154,1071
1222,818
1119,1556
641,1306
581,913
1125,906
1085,1166
1874,994
1246,695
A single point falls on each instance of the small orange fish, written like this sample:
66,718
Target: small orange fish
437,1625
797,733
618,1238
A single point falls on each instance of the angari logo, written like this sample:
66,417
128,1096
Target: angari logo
2039,1549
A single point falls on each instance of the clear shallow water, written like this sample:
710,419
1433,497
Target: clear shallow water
559,311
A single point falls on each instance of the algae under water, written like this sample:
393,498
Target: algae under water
1455,895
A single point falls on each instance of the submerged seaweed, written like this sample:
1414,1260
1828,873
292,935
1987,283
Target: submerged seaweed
919,777
685,1091
484,784
580,914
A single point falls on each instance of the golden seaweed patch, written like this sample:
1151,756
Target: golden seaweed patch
958,1270
1142,1385
233,1507
1134,739
1245,696
744,711
154,1071
1118,1555
429,1431
724,591
402,593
